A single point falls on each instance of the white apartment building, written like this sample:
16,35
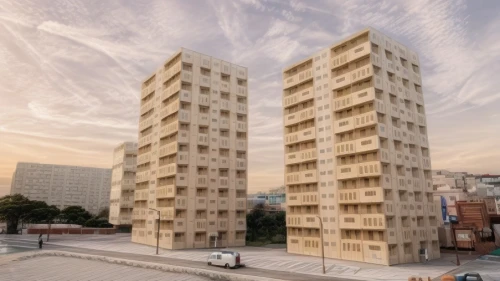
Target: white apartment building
63,186
192,154
123,185
357,163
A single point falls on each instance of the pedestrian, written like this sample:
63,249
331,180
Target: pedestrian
40,241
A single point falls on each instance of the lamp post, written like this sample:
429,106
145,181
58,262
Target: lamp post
322,243
158,234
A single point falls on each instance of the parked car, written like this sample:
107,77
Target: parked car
227,259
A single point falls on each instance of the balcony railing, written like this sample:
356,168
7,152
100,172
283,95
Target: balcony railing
300,96
300,136
297,78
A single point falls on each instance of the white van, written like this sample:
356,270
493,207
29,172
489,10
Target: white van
227,259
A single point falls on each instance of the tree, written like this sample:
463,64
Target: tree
12,209
75,215
104,213
43,213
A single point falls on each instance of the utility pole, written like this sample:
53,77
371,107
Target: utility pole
158,234
455,243
322,243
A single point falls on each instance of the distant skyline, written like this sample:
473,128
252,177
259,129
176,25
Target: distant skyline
71,71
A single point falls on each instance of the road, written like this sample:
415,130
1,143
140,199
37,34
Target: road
249,271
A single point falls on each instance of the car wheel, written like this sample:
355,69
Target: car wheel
227,266
209,263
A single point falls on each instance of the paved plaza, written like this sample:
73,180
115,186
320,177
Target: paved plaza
61,269
264,258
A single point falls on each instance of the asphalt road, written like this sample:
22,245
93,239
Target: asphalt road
249,271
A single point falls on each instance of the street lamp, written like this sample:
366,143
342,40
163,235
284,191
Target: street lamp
157,235
322,243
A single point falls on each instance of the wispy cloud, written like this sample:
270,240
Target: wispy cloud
71,70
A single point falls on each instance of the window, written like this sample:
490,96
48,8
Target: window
219,257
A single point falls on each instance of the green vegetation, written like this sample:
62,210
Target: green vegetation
16,208
265,228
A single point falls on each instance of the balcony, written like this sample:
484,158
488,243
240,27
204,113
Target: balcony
297,78
392,237
241,184
169,109
167,170
184,116
384,155
371,195
426,163
300,156
375,60
223,182
203,119
419,209
172,89
223,162
225,105
341,81
300,96
347,171
222,224
404,209
311,221
366,119
398,158
413,161
241,164
241,108
241,224
179,225
169,129
147,107
202,181
373,221
342,102
422,234
145,140
204,100
367,144
361,73
205,81
375,252
339,60
241,203
224,142
200,225
201,203
167,191
142,176
222,203
359,51
202,160
168,149
345,148
396,134
183,157
293,220
141,195
300,116
406,234
294,199
402,183
349,221
310,198
180,202
183,136
224,123
241,126
185,96
363,96
139,214
370,169
241,91
343,125
241,145
203,139
144,158
434,234
349,196
143,125
224,86
181,179
126,202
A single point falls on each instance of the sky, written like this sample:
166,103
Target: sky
71,71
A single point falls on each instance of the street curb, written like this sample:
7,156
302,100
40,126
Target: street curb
214,275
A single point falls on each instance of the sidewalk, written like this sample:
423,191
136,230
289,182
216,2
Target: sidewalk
276,261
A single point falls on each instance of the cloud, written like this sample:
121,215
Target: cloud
71,71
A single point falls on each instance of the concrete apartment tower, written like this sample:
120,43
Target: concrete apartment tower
192,157
63,186
123,186
357,155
